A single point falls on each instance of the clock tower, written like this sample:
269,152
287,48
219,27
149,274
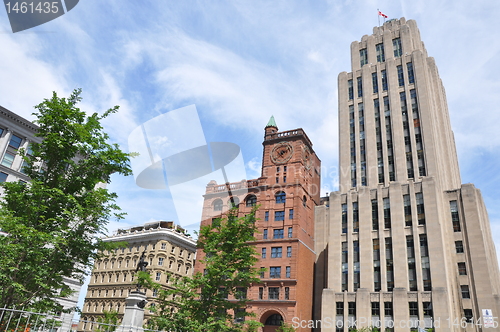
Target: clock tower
287,192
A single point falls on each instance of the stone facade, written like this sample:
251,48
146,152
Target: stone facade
169,252
403,240
287,192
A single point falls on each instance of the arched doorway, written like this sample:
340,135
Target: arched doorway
272,321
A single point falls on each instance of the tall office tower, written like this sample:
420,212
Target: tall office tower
168,251
287,192
403,240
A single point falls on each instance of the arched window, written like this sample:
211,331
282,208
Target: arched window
251,200
233,202
280,197
217,205
275,320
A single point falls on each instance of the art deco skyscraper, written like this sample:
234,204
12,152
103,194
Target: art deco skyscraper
403,240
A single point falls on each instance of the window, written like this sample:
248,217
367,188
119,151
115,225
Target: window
8,159
387,213
284,168
266,216
160,261
396,44
411,75
3,177
374,214
427,309
155,292
413,308
375,82
290,232
363,57
384,80
360,87
264,252
462,269
275,272
420,208
277,169
350,89
455,219
217,205
287,293
284,179
459,247
407,209
345,268
387,308
376,265
279,215
251,200
290,214
288,271
277,180
1,132
274,294
465,291
288,251
15,141
278,233
351,308
340,308
468,315
379,48
233,202
172,250
375,308
239,315
280,197
264,234
355,217
261,293
158,276
276,252
344,218
241,293
262,272
401,78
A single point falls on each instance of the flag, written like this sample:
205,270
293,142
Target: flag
382,14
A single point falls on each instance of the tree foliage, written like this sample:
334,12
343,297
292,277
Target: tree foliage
209,301
54,222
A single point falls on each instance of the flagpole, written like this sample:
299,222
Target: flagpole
378,15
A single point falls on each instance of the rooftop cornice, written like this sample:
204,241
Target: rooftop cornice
18,119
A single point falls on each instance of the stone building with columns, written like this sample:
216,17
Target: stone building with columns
169,252
403,241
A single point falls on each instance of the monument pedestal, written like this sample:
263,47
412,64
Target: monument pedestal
133,317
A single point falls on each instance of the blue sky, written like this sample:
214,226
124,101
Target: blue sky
240,62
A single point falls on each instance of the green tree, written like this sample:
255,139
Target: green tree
201,302
108,322
53,223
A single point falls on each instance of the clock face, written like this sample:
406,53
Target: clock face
282,153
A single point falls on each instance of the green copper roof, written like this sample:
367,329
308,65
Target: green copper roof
271,122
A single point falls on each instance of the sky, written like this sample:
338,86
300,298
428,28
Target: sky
238,63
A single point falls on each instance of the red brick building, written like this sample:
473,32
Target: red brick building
287,192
